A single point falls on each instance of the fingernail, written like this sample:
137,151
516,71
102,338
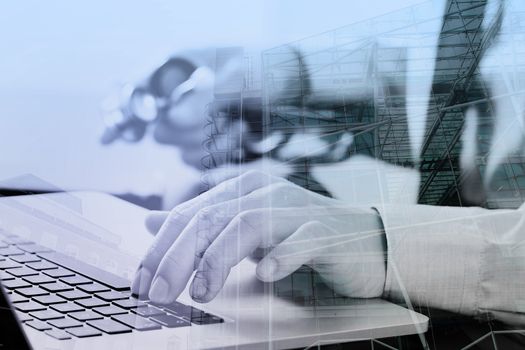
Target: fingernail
198,288
267,268
135,285
160,291
141,282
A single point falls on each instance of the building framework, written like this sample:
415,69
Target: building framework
345,92
345,81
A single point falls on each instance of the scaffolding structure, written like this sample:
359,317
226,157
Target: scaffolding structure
235,114
345,81
348,88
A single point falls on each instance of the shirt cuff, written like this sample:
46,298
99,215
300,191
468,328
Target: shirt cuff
434,256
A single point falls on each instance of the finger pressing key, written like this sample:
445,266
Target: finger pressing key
179,218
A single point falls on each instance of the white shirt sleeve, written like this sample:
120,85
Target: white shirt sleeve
465,260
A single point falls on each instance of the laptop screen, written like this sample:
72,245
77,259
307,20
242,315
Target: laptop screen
12,336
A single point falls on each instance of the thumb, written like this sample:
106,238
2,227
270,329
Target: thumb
155,219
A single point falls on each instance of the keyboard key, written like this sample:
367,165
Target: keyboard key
196,313
136,322
59,272
31,292
91,302
23,271
22,317
42,265
109,326
16,283
16,240
34,248
11,250
4,276
84,331
29,306
96,274
93,288
74,295
58,334
50,299
67,307
110,310
148,311
180,307
75,280
3,245
38,279
9,264
46,315
206,318
180,310
26,258
170,321
16,298
65,323
112,295
56,287
85,315
130,303
38,325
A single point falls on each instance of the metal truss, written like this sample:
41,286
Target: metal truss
354,85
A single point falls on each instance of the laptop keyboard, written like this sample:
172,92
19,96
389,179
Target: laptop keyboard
66,298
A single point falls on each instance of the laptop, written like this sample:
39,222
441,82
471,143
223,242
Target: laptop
66,261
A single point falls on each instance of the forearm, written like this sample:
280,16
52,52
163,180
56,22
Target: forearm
465,260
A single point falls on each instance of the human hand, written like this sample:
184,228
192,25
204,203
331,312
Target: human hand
215,231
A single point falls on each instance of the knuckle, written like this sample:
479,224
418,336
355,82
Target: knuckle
236,221
249,217
283,187
256,177
177,215
250,223
311,228
220,212
244,222
204,220
284,192
254,174
205,214
313,224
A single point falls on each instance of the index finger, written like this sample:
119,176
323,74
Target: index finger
179,217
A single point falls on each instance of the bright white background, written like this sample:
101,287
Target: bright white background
59,59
